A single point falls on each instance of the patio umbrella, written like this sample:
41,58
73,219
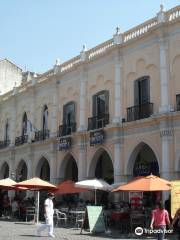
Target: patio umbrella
68,187
36,184
7,183
145,184
94,184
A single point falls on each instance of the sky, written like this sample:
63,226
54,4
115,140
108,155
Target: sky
34,33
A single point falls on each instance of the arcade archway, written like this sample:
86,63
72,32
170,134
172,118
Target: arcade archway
4,171
43,169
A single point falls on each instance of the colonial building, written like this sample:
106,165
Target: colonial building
112,112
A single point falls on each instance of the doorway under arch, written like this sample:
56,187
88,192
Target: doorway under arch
21,171
102,166
69,169
4,171
43,169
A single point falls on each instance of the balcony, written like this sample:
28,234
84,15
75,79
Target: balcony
21,140
139,112
41,135
65,129
4,144
98,122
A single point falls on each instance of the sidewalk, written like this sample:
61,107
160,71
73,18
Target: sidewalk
23,231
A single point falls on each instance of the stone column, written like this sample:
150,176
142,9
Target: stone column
82,161
117,79
83,80
166,134
53,129
164,75
13,123
117,165
117,161
82,171
53,164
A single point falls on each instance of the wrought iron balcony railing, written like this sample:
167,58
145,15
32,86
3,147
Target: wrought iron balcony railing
41,135
21,140
98,121
139,112
4,144
65,129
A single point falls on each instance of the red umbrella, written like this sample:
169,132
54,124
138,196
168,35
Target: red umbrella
68,187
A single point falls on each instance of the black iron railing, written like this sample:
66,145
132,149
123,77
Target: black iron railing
98,121
139,112
65,129
41,135
4,144
21,140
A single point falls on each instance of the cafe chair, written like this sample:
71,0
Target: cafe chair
79,220
30,213
136,220
60,217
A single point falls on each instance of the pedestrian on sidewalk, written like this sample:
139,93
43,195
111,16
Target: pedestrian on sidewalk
49,211
159,220
176,220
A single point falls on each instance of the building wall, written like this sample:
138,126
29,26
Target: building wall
139,57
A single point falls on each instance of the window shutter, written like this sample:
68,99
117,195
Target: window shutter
136,92
107,102
145,90
94,106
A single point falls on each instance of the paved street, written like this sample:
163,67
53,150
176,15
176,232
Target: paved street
27,231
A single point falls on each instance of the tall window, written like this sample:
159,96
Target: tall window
100,104
45,119
6,136
142,91
24,125
69,114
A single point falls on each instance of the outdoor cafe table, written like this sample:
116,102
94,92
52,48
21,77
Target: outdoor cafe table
75,214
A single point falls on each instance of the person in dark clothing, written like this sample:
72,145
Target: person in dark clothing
176,221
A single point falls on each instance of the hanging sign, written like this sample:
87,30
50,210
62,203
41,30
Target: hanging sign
96,137
64,143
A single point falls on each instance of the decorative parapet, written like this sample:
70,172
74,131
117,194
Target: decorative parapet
119,39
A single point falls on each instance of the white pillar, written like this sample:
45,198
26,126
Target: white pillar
82,123
117,161
53,164
53,130
166,137
117,93
164,77
13,123
82,172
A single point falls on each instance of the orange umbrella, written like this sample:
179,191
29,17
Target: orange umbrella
145,184
36,184
68,187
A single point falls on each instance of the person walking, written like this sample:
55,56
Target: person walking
159,220
49,211
176,220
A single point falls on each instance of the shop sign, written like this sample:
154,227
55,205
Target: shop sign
64,143
96,137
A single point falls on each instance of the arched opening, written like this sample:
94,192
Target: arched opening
21,172
71,169
143,162
43,169
102,168
4,171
